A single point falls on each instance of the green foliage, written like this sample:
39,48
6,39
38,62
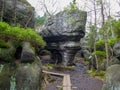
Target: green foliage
20,34
91,36
71,7
4,44
112,41
109,27
99,53
100,42
40,20
117,28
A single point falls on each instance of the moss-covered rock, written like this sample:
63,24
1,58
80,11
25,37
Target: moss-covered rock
28,76
7,55
112,81
5,77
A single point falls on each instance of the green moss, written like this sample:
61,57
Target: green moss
20,34
69,20
86,62
7,54
112,41
4,44
17,43
94,73
48,66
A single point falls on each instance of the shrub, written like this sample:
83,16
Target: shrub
99,53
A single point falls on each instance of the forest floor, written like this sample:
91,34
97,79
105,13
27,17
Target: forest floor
80,79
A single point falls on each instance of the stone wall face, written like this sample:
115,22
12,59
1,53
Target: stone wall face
17,12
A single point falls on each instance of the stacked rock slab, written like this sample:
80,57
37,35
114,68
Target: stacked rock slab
63,32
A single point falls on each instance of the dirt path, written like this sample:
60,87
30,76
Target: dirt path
79,79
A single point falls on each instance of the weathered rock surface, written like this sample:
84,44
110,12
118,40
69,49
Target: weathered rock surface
17,12
116,50
112,81
7,55
24,68
112,77
28,54
67,26
28,73
63,32
5,77
28,76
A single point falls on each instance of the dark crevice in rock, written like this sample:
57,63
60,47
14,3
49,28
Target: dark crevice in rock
18,52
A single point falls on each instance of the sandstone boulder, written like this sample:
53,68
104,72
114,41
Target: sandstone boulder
63,32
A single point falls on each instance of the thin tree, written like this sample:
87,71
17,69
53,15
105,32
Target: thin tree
15,16
105,31
94,28
45,7
95,31
2,10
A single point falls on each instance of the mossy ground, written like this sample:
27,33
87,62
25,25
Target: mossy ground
97,74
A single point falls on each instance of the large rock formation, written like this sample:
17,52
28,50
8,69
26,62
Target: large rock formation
63,32
17,12
112,78
19,64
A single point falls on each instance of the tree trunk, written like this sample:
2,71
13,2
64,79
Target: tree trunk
95,32
2,11
105,31
14,18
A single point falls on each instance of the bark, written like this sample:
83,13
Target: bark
2,11
95,33
105,31
14,18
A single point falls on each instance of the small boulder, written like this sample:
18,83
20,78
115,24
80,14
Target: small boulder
28,54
